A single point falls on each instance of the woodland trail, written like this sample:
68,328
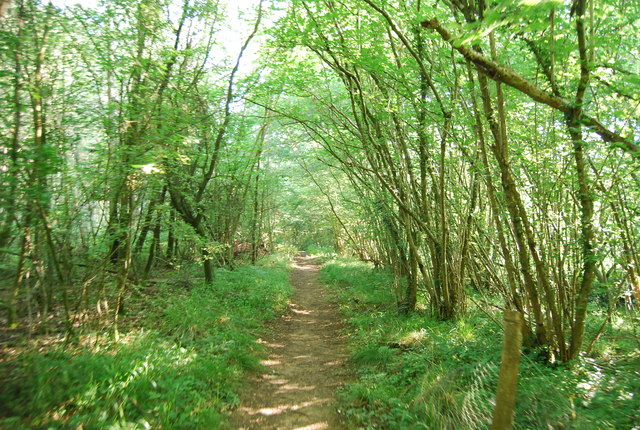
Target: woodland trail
305,366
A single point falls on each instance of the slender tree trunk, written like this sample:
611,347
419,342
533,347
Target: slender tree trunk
500,152
126,206
585,196
12,172
146,226
154,249
255,221
171,242
12,302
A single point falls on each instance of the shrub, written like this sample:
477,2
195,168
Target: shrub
416,372
180,369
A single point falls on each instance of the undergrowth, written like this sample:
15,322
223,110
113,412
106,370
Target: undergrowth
419,373
180,368
321,254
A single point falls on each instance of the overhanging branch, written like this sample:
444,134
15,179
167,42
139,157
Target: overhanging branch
509,77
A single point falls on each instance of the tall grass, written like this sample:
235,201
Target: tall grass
419,373
180,368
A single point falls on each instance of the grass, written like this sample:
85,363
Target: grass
321,254
180,367
419,373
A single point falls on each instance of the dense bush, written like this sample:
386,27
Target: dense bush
416,372
179,369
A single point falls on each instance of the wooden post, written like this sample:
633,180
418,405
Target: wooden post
506,393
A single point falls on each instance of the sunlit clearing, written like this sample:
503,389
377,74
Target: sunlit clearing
276,410
148,168
270,362
322,425
415,337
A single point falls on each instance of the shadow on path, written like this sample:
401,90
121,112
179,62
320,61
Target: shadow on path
305,366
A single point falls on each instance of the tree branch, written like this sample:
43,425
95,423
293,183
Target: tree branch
507,76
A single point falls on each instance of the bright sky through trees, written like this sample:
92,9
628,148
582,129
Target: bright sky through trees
239,14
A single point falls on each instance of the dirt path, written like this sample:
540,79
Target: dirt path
305,366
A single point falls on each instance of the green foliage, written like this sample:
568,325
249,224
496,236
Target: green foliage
318,250
180,371
416,372
363,285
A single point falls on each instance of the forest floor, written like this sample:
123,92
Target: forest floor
306,362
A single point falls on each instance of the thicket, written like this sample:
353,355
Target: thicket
483,144
417,371
179,362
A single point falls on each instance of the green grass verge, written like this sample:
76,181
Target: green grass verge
180,369
419,373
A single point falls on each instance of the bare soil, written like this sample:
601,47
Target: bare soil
306,363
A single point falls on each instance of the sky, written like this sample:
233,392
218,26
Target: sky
234,8
231,4
231,37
